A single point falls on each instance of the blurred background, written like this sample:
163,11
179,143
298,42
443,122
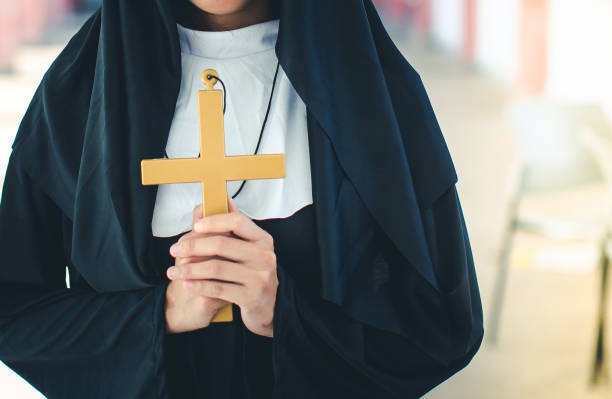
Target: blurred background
523,93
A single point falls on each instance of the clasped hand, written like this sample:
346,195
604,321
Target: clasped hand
227,258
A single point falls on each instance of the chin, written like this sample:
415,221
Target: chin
221,7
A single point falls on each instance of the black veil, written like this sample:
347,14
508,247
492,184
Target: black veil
108,100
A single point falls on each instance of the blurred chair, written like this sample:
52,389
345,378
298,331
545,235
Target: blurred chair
601,147
552,158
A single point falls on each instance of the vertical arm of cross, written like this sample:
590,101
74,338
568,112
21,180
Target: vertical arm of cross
212,141
212,149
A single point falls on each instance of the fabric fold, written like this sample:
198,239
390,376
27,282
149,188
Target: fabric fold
69,342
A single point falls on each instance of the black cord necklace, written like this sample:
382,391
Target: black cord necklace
263,126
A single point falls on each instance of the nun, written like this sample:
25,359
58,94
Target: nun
351,277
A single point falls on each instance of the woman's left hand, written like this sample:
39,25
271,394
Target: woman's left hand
243,270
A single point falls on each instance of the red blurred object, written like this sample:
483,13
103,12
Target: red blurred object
398,9
26,20
59,8
10,15
533,46
423,16
469,33
34,13
417,11
37,14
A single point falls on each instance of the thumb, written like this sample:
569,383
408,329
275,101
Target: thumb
231,204
198,213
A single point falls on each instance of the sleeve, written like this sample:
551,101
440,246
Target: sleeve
69,343
319,351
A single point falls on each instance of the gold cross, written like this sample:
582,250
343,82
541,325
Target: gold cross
213,168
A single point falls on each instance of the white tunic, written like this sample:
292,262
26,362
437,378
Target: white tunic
245,60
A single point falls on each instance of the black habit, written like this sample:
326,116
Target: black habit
394,306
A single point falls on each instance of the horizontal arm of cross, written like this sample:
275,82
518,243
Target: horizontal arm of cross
191,170
175,170
250,167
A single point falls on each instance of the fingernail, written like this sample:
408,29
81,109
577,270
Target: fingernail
175,248
172,272
199,226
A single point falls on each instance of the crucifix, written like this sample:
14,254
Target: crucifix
212,168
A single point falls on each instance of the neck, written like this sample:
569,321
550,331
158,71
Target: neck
192,17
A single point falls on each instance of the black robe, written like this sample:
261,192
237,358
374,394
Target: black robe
398,302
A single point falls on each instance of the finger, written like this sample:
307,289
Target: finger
192,259
190,234
217,245
230,292
235,222
184,237
193,234
218,269
183,261
198,213
179,261
232,204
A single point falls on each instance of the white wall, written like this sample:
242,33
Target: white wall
497,30
447,23
580,52
496,48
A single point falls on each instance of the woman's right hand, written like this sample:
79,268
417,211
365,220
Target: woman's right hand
186,311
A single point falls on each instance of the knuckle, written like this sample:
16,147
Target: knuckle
196,289
190,244
214,268
269,258
186,236
259,256
210,288
260,291
219,243
236,221
201,288
260,288
216,289
273,258
270,280
186,243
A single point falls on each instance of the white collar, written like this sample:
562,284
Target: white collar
230,43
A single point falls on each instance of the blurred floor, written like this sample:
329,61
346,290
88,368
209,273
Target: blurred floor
547,333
